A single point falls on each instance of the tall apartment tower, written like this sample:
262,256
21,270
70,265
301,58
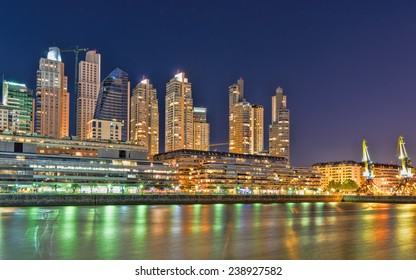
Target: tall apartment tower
179,127
279,131
113,102
144,117
235,95
257,129
88,88
201,129
19,100
52,97
242,128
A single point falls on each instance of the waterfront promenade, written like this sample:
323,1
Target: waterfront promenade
157,199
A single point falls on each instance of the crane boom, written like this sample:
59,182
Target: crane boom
406,186
405,171
76,51
368,164
367,187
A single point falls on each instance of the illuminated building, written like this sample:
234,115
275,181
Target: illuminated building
104,130
231,172
257,127
144,117
111,170
19,100
241,126
88,88
279,131
113,101
52,97
179,127
246,122
75,147
4,118
339,172
386,176
201,129
235,95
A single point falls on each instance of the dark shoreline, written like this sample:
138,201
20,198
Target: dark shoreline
154,199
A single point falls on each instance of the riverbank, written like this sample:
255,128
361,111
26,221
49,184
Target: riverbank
149,199
153,199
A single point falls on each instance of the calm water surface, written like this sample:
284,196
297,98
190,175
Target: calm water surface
239,231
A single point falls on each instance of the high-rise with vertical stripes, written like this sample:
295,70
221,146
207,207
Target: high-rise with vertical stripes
88,88
52,97
279,131
179,128
201,129
144,117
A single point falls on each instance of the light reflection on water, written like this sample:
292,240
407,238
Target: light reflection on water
238,231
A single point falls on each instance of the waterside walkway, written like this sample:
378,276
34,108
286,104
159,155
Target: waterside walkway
139,199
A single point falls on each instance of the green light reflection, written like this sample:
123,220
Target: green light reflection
196,221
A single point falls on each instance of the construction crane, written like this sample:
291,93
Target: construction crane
405,173
76,51
368,187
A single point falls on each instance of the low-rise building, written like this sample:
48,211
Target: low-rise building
385,175
338,172
230,172
25,166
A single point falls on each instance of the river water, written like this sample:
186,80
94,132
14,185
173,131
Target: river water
287,231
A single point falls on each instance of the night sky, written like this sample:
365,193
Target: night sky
348,68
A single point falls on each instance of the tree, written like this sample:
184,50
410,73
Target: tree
349,185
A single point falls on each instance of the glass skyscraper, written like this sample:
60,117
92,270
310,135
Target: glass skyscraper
113,101
19,100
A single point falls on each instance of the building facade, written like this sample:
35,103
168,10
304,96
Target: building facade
4,118
201,129
104,130
19,99
386,176
52,97
208,171
257,129
88,89
241,127
179,127
113,103
71,147
144,118
235,95
279,131
339,172
28,172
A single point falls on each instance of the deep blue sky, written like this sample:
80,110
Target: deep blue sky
348,68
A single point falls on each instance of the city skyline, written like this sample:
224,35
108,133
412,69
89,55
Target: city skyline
346,68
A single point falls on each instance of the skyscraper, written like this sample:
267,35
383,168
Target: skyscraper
113,103
179,128
19,100
279,131
235,95
201,129
52,97
242,132
88,88
257,128
144,118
